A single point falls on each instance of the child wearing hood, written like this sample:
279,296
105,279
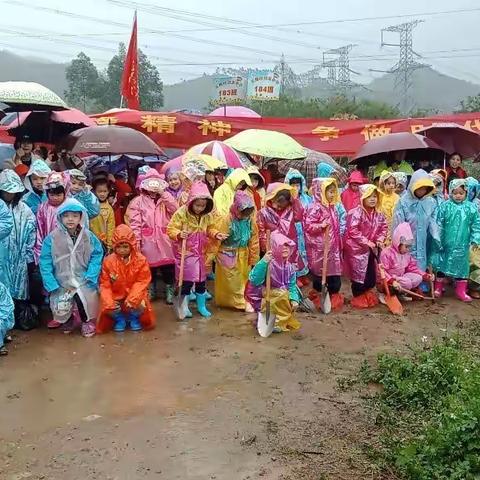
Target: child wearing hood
402,181
366,230
34,182
70,264
103,224
124,285
16,250
351,195
326,211
174,180
56,187
459,223
257,189
195,223
80,191
387,185
284,295
237,253
149,215
223,196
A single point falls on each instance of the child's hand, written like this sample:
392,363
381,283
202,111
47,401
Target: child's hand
428,277
475,247
380,245
221,236
294,305
182,235
371,245
396,285
268,256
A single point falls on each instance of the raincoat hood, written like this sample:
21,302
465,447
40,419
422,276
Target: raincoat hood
241,201
124,234
319,188
39,168
472,187
401,178
71,205
200,191
74,173
193,170
274,188
277,241
456,183
402,234
420,179
57,179
237,176
172,171
357,177
253,170
10,182
303,194
439,177
385,175
152,181
324,170
366,190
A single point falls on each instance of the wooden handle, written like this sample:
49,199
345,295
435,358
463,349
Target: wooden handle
268,281
182,262
326,250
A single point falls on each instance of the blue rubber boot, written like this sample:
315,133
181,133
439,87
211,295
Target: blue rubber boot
135,324
202,305
192,297
120,322
208,295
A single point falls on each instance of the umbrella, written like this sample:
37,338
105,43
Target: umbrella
49,126
111,140
266,143
117,163
453,138
233,111
211,163
27,96
373,151
308,166
227,155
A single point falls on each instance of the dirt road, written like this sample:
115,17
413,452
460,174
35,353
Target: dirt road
209,400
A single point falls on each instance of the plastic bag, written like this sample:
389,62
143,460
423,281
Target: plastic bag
26,315
61,304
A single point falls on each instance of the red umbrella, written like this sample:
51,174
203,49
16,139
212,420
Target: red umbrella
111,140
374,150
454,138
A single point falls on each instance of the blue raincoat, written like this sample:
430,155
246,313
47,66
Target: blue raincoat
459,225
433,247
89,201
33,198
305,200
472,188
420,214
324,170
7,319
16,250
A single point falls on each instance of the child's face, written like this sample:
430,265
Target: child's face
101,191
199,205
330,193
71,220
285,252
390,185
174,182
459,194
455,161
371,201
354,186
241,186
403,248
281,202
296,184
254,180
247,213
400,188
37,182
77,185
209,177
421,192
7,197
123,249
55,199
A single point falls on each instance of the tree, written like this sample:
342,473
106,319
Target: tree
470,104
83,81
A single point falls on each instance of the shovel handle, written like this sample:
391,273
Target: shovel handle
432,288
326,250
182,262
268,280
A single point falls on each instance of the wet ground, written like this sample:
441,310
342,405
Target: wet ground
210,400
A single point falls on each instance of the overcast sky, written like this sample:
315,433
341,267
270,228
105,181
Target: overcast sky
220,32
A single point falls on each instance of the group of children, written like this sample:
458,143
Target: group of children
101,272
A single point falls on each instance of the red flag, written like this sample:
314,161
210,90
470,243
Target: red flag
129,85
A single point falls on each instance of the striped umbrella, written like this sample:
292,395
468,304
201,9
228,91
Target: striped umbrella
220,151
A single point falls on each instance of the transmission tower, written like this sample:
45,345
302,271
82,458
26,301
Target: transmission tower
338,68
406,64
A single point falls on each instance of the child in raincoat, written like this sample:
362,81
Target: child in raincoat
237,253
7,319
417,207
174,180
326,211
195,223
257,190
56,187
149,214
35,182
70,264
284,295
459,223
351,195
16,250
223,196
80,191
366,230
387,185
281,213
402,181
124,285
103,224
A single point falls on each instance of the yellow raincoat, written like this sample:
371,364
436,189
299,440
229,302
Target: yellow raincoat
103,225
223,196
389,201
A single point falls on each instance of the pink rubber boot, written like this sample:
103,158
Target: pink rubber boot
438,288
461,291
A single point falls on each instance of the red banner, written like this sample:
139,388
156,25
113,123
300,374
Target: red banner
129,85
335,137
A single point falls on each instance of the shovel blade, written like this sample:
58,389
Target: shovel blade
180,305
265,322
325,303
394,305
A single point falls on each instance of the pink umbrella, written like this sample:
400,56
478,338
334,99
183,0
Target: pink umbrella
174,163
232,111
220,151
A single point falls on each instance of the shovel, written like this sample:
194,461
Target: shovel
266,320
432,287
393,303
180,304
325,303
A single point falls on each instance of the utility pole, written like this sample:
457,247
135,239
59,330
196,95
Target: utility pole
406,64
339,71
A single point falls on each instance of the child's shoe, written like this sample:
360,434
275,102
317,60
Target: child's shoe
372,298
120,322
202,305
170,291
438,287
337,301
315,298
135,324
192,297
474,294
360,302
461,291
208,295
249,308
88,328
152,291
53,324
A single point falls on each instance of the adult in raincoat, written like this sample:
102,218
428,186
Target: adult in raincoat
16,250
34,182
223,196
124,285
459,224
351,195
417,207
70,264
326,211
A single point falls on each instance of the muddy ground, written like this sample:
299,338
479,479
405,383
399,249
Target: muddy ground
210,400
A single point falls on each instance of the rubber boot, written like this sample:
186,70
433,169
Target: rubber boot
474,294
202,305
461,291
208,295
135,324
314,296
120,322
360,301
372,298
170,291
337,301
438,287
152,292
192,297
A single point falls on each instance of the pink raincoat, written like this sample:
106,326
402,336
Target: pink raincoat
402,268
201,228
351,199
362,226
149,219
283,221
318,213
